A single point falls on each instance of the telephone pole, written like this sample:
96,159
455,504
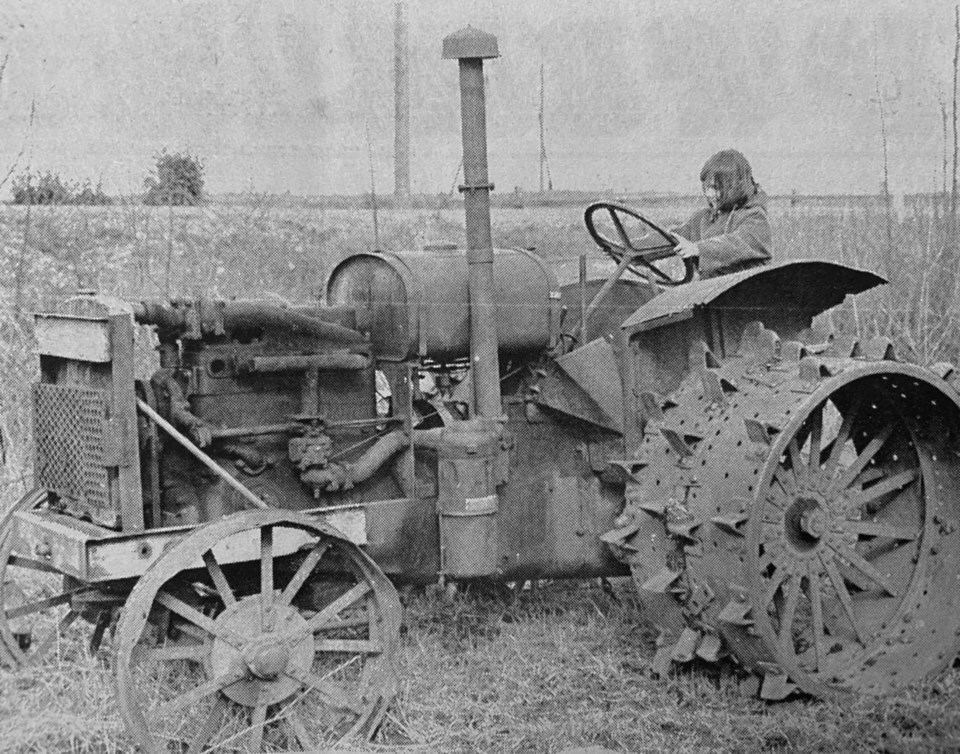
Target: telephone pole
401,73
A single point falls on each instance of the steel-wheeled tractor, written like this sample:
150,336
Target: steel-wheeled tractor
231,490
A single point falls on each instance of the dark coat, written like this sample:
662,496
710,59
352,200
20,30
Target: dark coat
730,241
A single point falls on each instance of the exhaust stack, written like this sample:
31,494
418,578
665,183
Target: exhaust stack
471,47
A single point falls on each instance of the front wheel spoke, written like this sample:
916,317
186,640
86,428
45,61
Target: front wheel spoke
888,485
303,572
882,529
362,646
332,694
338,625
840,588
266,578
197,693
258,721
65,622
865,567
39,605
219,578
816,610
300,732
172,652
334,608
789,612
212,723
863,458
188,613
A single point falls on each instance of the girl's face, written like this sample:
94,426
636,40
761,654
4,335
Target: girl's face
712,193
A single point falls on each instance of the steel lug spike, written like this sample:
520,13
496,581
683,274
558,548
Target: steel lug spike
736,613
686,647
661,582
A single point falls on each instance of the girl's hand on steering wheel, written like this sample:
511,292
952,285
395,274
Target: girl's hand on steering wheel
686,249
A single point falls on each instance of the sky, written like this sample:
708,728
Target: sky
297,95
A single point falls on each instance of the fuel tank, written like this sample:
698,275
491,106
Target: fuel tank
415,303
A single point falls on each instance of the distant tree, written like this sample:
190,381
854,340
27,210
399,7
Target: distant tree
177,180
51,188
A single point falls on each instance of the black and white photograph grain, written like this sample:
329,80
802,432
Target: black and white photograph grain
479,376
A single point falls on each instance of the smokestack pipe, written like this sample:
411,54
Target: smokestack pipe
470,47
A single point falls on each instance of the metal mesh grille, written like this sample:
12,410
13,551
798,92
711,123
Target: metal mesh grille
68,431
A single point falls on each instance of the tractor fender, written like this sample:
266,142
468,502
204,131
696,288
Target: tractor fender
810,287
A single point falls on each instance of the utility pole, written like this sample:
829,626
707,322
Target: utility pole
544,167
401,73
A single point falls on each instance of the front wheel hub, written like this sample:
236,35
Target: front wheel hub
273,664
267,658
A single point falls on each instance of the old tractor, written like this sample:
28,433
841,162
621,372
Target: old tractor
230,490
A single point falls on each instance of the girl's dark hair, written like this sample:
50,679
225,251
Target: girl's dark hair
730,173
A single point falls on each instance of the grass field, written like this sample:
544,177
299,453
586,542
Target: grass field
561,666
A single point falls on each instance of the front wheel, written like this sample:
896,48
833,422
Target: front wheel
290,649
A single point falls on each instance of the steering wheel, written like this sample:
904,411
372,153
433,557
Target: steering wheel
645,255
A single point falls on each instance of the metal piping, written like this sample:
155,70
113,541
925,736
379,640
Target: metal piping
470,47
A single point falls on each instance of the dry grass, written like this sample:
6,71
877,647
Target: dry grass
561,667
565,666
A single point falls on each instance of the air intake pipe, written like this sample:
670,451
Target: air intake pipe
471,47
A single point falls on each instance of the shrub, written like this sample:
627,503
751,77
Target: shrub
177,180
50,188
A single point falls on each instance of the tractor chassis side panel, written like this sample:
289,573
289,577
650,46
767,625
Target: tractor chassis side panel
94,554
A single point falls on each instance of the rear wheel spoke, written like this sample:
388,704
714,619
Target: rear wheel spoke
816,610
840,441
779,576
865,567
873,447
789,612
816,438
885,487
797,467
882,529
840,588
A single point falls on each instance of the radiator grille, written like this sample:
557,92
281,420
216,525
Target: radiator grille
68,432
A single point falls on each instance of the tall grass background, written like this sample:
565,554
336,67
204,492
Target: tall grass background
565,666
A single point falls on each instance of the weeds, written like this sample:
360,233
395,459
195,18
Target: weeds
562,666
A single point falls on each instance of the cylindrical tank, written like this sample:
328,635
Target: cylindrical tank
417,302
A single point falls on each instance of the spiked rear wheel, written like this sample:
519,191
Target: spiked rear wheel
800,512
293,651
851,579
